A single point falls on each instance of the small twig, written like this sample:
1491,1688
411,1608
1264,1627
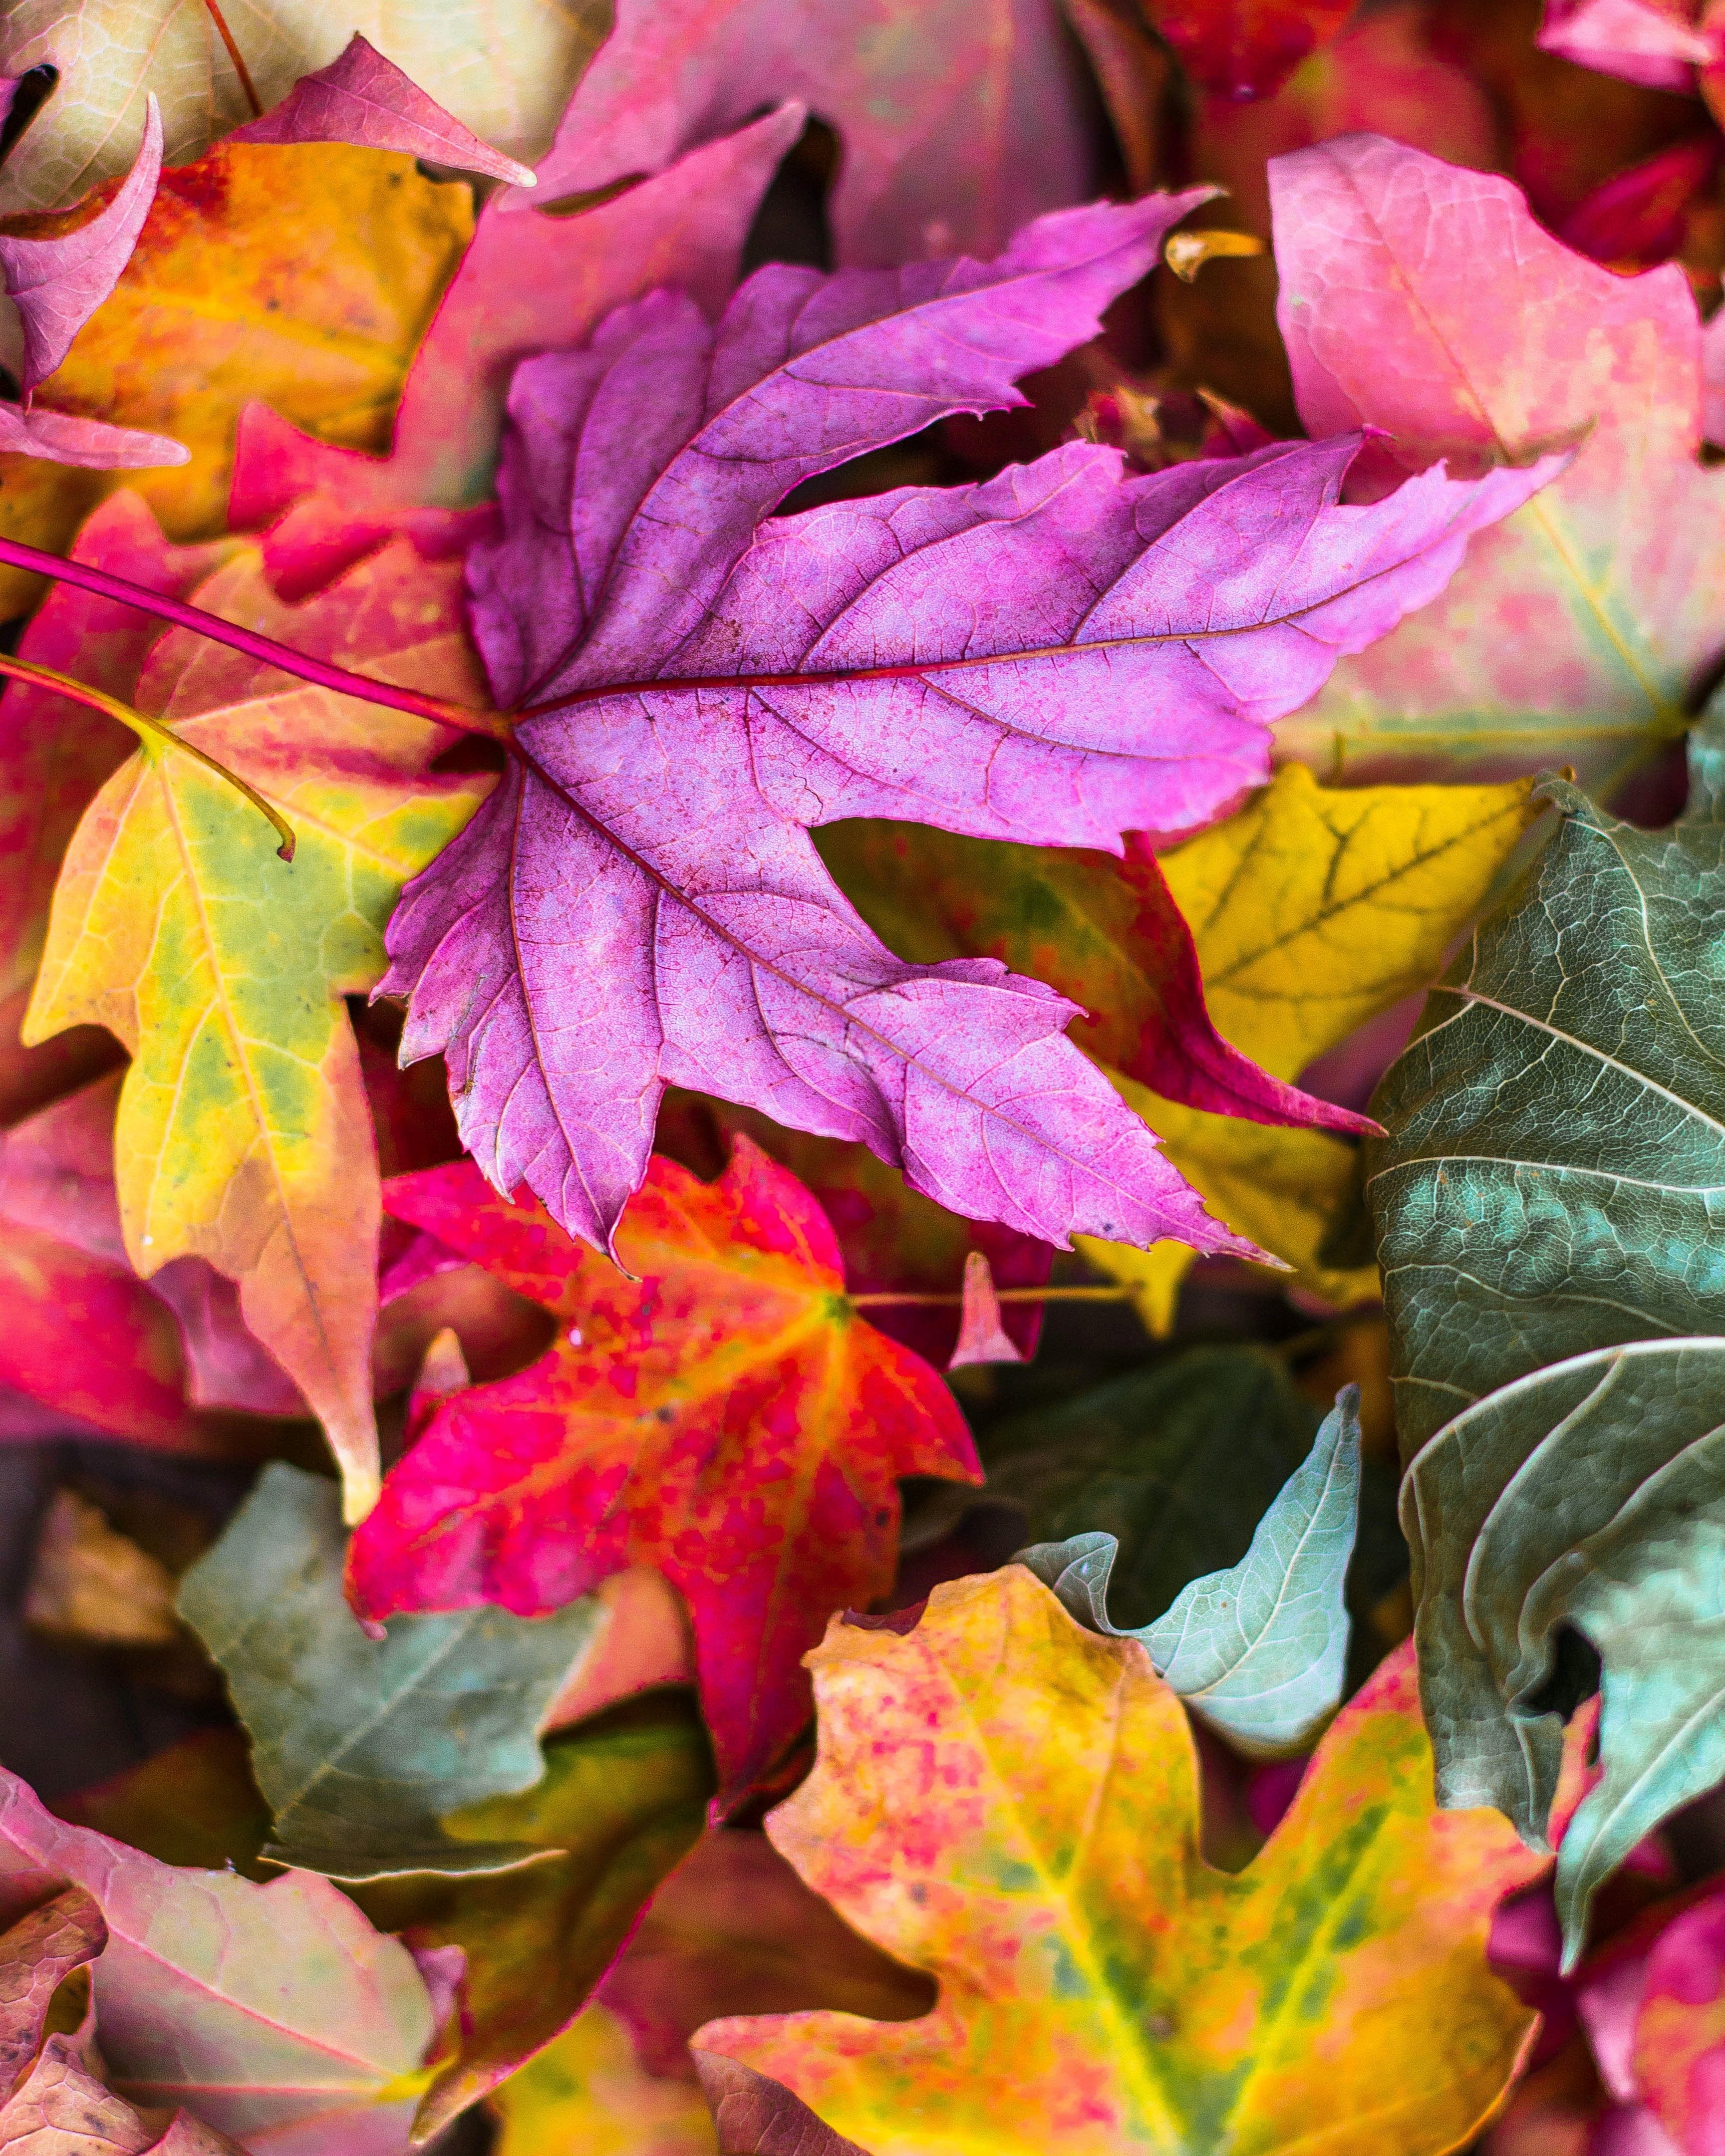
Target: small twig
1002,1295
240,68
141,723
320,672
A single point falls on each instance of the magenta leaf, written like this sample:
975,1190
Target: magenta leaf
57,285
364,98
959,119
1056,656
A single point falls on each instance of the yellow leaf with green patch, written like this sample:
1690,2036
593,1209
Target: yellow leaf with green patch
1103,1990
1310,910
1313,909
243,1135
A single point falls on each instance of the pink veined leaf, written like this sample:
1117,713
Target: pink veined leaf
960,119
276,2011
362,98
57,285
1655,43
525,282
1056,656
64,438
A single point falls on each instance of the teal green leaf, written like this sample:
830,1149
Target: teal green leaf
1258,1651
360,1746
1548,1203
1179,1461
1590,1496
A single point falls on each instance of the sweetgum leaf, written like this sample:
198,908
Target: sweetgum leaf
1578,629
1056,655
40,1949
1179,1461
243,1135
54,754
1259,1650
267,2009
362,1745
1101,1988
958,119
716,1411
57,285
507,85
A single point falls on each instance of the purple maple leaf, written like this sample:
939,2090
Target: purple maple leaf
1058,655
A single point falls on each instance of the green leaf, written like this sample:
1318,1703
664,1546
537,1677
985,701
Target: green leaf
1551,1178
1180,1461
623,1799
1259,1650
360,1745
1591,1497
1549,1189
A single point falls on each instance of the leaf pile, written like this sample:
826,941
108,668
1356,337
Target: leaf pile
762,1390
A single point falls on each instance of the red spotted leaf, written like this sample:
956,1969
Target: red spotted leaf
723,1416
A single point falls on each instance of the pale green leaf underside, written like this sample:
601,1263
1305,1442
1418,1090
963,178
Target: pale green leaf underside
1258,1651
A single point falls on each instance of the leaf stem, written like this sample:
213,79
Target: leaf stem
1001,1295
240,68
321,672
140,722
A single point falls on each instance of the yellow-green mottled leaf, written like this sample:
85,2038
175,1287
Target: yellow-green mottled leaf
1103,1991
243,1135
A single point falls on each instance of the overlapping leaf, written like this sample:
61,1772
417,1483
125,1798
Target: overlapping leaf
1545,1204
303,275
243,1135
525,282
51,2092
717,1411
1179,1462
959,121
1094,678
1258,1651
1309,911
622,1800
362,1745
263,2009
1101,1986
1578,631
507,85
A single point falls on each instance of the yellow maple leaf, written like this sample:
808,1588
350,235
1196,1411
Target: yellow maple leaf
243,1135
1103,1990
1313,909
302,274
588,2090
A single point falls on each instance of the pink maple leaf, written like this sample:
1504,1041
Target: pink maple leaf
1058,655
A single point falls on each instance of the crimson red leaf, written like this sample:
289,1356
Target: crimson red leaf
724,1417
